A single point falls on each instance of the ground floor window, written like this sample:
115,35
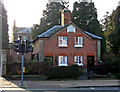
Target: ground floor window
62,61
78,60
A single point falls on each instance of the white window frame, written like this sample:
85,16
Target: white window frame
62,45
78,43
61,62
71,28
76,59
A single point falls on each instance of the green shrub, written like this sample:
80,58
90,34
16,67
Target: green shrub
31,68
115,65
12,68
43,67
107,57
72,71
110,67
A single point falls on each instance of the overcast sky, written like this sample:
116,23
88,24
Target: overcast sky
28,12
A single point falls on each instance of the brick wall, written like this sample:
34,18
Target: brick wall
18,57
51,47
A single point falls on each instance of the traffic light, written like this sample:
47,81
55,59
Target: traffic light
22,48
17,46
28,46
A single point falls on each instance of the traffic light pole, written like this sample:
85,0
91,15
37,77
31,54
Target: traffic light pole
22,69
22,47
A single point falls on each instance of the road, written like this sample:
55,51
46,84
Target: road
60,86
112,89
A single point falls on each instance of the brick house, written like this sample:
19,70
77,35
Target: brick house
67,44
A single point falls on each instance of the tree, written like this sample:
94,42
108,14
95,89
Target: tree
51,17
85,16
107,28
114,36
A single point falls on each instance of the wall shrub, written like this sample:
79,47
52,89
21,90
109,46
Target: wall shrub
31,68
72,71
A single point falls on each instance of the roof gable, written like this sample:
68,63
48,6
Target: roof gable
58,28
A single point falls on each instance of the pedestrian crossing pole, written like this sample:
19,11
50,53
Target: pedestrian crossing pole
22,49
22,70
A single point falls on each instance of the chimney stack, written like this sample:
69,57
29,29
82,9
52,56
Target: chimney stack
65,17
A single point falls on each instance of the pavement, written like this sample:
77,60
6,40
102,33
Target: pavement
57,84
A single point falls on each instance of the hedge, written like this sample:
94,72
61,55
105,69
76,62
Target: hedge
72,71
31,68
107,67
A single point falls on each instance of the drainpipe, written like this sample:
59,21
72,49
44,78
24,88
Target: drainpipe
98,50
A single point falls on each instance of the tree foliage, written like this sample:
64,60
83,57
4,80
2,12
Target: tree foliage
51,17
107,28
85,16
114,36
111,26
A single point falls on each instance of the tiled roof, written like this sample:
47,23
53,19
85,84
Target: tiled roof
93,36
57,28
51,31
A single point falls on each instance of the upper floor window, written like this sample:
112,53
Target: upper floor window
78,60
63,41
71,29
78,42
62,61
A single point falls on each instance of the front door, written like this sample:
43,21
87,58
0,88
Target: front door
90,66
90,62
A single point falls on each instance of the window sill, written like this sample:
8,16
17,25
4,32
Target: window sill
78,45
79,64
63,65
63,45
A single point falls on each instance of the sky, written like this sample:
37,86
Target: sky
28,12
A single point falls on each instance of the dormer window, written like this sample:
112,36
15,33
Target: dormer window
71,29
63,41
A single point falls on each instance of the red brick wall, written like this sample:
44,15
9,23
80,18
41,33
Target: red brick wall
67,18
89,47
18,57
